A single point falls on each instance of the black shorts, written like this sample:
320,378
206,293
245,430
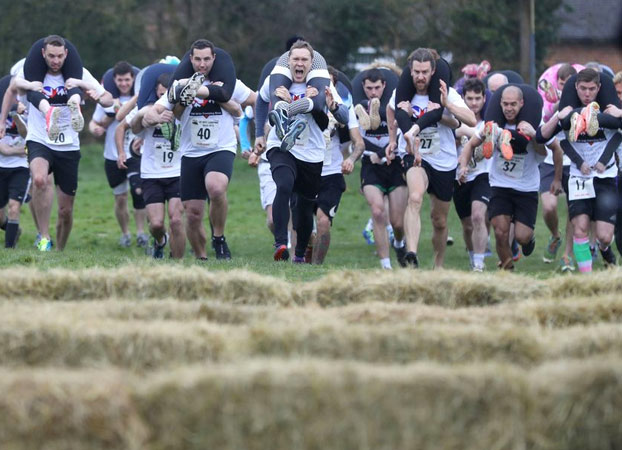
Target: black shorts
520,206
465,194
64,165
160,190
114,175
14,184
194,170
307,175
331,189
133,165
547,173
386,178
440,183
603,207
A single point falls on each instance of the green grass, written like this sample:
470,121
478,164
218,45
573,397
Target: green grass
94,239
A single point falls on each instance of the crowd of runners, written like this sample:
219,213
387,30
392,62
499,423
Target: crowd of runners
493,145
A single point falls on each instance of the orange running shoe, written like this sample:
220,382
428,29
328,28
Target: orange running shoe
590,114
504,144
490,134
51,122
577,126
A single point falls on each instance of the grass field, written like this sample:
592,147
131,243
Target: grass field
105,348
94,239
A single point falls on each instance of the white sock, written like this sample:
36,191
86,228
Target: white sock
478,259
398,244
370,224
386,263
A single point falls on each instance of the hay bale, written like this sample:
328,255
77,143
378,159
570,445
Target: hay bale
446,288
592,285
56,410
576,405
335,405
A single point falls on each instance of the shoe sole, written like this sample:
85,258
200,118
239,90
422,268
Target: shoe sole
77,120
488,145
591,120
289,140
363,117
170,95
374,114
275,120
504,144
54,129
574,132
189,91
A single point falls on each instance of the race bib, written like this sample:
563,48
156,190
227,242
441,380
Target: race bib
165,156
204,131
513,168
65,133
580,188
430,142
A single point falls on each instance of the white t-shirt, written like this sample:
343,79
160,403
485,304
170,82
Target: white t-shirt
521,173
591,149
54,91
206,127
475,169
110,146
333,157
12,138
310,146
438,145
549,152
158,159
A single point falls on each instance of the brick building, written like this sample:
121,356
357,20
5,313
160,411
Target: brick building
589,31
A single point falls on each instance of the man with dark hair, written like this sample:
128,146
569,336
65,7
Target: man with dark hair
472,189
429,155
382,177
592,191
104,123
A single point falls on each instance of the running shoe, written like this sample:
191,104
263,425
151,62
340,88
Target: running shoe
515,251
609,258
168,130
400,254
45,245
221,248
566,264
37,240
281,253
77,120
478,154
550,93
329,132
295,129
505,146
189,91
298,260
411,260
529,246
590,114
478,267
173,93
142,240
278,119
125,240
550,253
374,114
363,117
158,249
51,122
368,234
577,126
490,137
450,241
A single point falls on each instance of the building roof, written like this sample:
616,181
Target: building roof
597,20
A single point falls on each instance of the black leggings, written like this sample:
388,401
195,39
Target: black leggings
406,91
606,95
149,83
223,70
531,111
35,69
358,92
111,86
618,228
